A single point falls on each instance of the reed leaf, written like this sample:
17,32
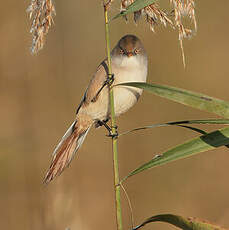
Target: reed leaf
195,100
181,222
135,6
192,147
182,124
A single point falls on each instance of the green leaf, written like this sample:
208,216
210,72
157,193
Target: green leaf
135,6
205,121
195,100
193,129
200,144
162,125
181,222
181,124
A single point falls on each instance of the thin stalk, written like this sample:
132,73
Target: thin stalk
113,126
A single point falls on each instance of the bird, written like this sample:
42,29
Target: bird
129,63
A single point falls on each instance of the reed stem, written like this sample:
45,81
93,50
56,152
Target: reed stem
113,126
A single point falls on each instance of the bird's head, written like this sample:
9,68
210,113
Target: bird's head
128,48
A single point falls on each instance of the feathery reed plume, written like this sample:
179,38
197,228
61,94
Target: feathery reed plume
41,13
154,15
184,8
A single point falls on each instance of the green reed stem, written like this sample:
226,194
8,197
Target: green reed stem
113,126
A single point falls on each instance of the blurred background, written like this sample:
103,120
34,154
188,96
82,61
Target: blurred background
39,95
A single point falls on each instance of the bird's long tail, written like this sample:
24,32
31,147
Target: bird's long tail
67,148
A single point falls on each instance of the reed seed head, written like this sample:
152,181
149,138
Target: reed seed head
180,9
41,13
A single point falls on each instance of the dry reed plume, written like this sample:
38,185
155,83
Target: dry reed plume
41,13
180,9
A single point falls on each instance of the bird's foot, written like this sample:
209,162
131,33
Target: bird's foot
109,129
111,133
110,79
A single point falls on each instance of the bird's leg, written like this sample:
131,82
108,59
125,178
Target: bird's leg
104,123
108,81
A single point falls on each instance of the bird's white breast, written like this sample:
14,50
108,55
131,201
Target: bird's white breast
130,69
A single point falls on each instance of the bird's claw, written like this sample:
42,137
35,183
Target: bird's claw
111,134
110,79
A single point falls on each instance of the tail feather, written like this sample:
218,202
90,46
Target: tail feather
66,150
66,135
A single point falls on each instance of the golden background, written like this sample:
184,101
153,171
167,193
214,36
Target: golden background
39,96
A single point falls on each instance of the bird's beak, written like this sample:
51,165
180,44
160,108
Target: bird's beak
129,54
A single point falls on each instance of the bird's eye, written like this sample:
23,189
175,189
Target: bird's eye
136,51
121,51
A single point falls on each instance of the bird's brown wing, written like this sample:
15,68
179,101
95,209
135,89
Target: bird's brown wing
95,85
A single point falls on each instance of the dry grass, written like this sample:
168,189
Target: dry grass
41,13
180,9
